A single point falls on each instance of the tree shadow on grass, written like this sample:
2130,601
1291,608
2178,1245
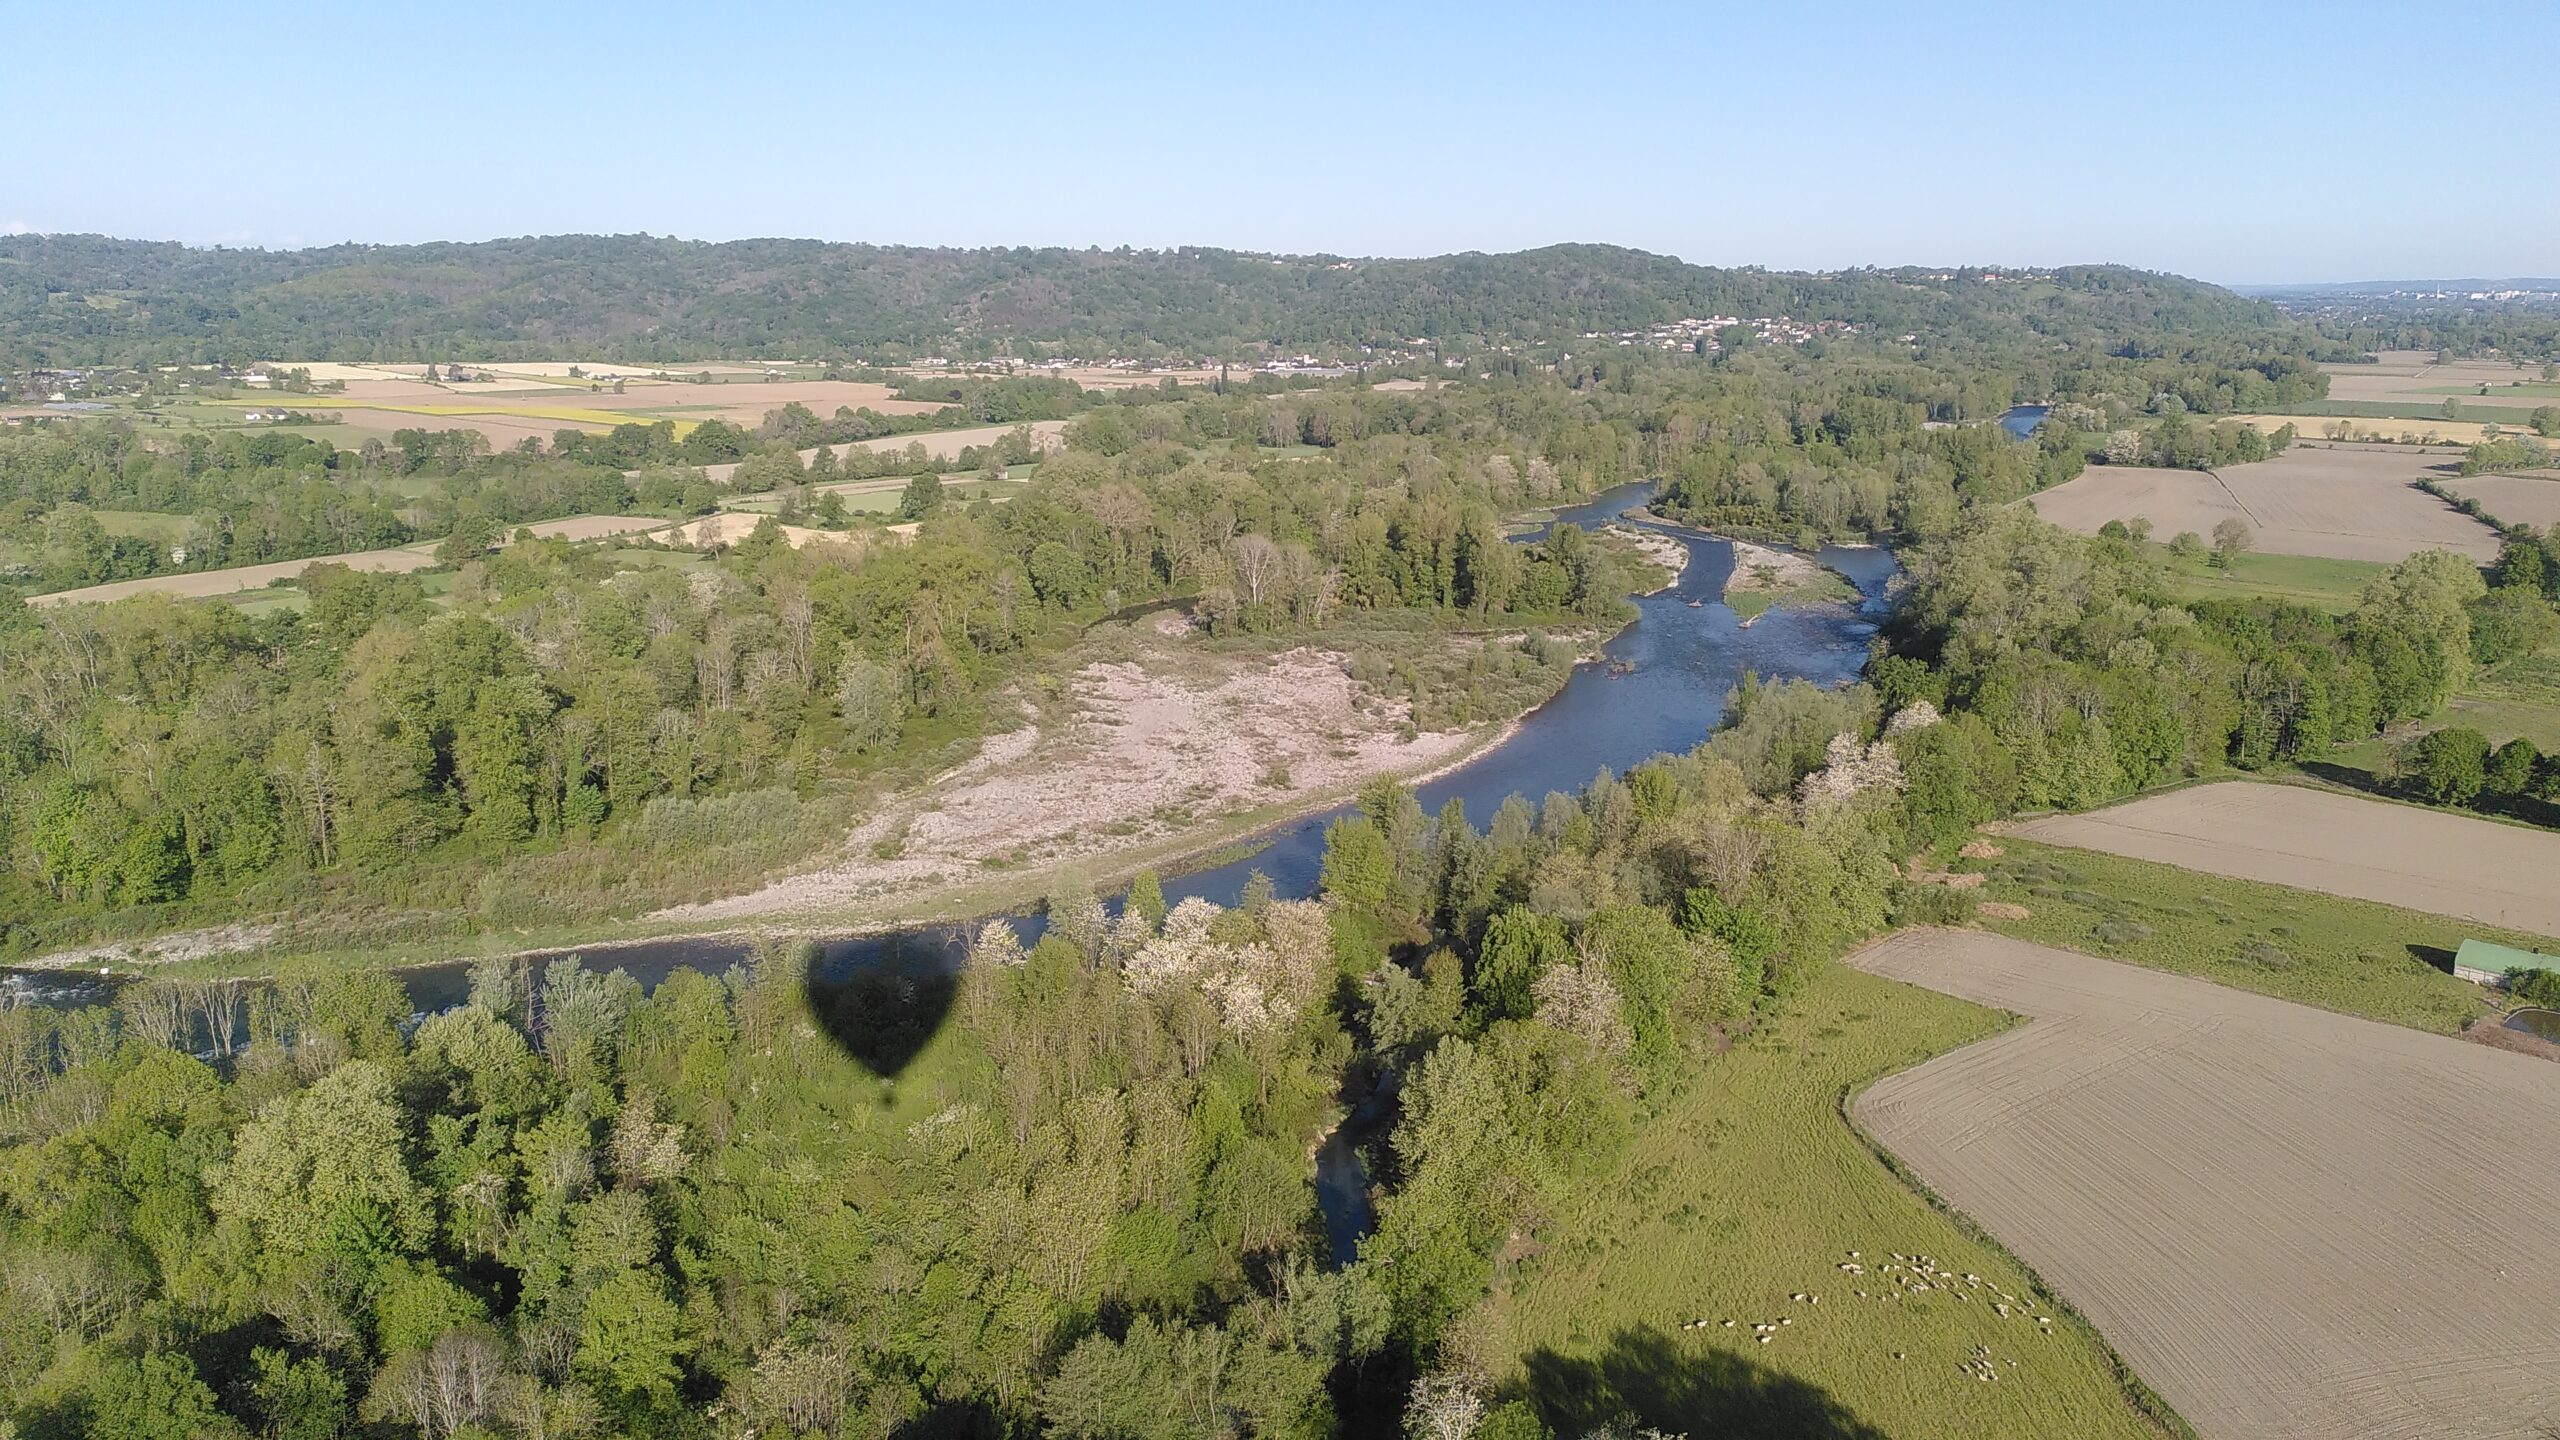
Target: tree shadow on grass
2347,775
1701,1391
884,1014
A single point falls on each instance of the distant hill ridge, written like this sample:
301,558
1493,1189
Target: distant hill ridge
85,299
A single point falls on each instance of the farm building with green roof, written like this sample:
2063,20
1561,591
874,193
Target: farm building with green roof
2484,963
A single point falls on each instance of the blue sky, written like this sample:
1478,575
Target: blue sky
2237,142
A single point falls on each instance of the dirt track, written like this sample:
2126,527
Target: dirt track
2429,860
2289,1222
2342,502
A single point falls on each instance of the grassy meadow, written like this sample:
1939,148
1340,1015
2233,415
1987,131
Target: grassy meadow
2517,698
1749,1187
2323,584
2352,956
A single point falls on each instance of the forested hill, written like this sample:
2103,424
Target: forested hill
84,300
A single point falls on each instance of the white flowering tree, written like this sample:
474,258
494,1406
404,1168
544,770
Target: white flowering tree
1850,769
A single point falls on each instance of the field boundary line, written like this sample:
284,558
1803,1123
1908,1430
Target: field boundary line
2147,1404
2236,500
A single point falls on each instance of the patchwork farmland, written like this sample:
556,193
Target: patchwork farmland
2290,1223
2413,378
537,400
2340,502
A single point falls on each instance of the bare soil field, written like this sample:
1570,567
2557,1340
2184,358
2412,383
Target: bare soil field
2289,1222
2340,502
2431,860
2172,500
946,445
1147,750
745,402
2528,497
246,577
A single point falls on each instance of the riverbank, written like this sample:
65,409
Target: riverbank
1655,548
1162,750
1161,753
1764,578
1505,725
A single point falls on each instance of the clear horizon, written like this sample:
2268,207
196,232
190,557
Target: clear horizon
2220,143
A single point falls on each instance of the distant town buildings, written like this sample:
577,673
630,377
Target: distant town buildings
1701,334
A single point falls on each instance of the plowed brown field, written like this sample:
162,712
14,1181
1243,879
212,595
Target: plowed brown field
2290,1223
2504,875
2343,502
2530,497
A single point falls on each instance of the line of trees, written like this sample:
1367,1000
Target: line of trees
2071,677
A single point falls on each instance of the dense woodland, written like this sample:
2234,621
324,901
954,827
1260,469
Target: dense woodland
1067,1192
70,300
162,753
1083,1208
558,693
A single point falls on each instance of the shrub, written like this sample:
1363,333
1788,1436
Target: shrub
2535,987
673,823
2511,768
1933,905
2259,952
2123,932
2450,765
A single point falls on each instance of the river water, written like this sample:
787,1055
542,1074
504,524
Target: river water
2021,420
1660,687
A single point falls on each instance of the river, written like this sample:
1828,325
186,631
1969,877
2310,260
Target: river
1658,688
2021,420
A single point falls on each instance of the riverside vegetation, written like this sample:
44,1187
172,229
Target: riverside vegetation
1067,1191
